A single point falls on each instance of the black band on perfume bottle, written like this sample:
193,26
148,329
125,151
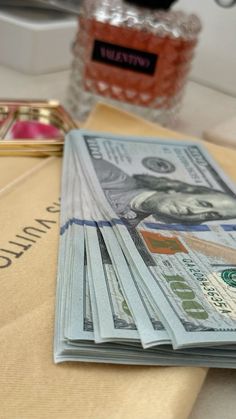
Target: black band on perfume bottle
153,4
126,58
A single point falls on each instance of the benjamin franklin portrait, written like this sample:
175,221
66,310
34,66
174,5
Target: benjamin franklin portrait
136,197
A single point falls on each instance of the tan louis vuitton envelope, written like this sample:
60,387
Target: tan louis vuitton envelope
31,385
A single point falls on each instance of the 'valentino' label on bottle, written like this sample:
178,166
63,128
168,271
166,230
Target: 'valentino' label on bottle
126,58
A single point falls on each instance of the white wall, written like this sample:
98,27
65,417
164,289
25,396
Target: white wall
215,60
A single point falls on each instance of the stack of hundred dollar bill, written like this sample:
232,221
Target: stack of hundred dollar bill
147,254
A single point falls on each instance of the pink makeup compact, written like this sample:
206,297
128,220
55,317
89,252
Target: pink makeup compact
33,128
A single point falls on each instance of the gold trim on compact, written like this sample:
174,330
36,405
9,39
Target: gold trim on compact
33,128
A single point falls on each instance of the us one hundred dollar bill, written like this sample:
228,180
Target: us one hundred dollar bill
174,214
112,285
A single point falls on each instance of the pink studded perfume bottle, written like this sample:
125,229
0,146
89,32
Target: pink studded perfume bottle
132,56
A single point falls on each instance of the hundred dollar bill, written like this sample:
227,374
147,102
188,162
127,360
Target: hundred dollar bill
79,322
159,196
74,265
60,346
64,350
116,274
122,316
111,314
116,322
152,333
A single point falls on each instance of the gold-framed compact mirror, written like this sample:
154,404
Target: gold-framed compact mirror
33,128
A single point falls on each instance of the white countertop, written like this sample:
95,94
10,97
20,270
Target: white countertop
203,108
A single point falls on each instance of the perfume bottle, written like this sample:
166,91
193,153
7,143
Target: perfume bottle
132,55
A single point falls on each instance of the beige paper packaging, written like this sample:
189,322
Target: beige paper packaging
31,386
29,214
12,168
